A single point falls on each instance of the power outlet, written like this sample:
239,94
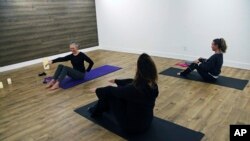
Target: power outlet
185,48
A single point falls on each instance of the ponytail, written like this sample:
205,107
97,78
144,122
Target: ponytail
221,44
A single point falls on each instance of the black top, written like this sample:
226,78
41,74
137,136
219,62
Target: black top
213,64
140,102
77,61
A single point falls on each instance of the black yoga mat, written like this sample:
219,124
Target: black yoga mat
235,83
160,130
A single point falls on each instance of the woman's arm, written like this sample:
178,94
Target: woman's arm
91,63
62,59
209,64
125,92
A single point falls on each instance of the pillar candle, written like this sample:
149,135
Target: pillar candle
1,85
45,62
9,81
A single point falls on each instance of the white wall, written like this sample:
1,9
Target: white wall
180,29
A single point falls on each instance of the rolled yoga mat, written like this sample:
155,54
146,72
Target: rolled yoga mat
94,73
235,83
160,130
182,64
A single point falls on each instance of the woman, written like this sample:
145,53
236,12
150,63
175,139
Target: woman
209,69
77,59
132,102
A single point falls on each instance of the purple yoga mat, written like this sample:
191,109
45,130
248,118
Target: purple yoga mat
94,73
47,79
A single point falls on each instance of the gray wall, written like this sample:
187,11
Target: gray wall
31,29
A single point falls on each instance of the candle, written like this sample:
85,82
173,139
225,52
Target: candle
9,81
1,85
45,63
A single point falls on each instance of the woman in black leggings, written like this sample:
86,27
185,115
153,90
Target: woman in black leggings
77,59
133,100
209,69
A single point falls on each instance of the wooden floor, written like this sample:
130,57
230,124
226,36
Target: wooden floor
29,112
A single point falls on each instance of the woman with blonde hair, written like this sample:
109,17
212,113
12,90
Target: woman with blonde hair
78,71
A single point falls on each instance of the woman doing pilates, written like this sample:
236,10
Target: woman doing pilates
209,69
77,59
133,100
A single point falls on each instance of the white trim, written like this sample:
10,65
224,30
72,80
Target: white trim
32,62
136,51
228,63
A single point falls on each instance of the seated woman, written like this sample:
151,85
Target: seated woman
77,59
133,101
209,69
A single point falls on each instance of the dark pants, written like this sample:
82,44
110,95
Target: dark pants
120,109
113,105
204,74
63,71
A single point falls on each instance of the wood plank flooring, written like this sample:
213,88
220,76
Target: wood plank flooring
29,112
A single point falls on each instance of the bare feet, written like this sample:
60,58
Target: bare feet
55,86
51,83
112,81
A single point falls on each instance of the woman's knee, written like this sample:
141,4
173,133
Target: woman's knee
60,66
66,67
105,93
194,65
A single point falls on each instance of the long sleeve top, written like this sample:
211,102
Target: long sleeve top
77,61
213,64
140,102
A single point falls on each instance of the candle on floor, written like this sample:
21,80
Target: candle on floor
1,85
45,63
9,81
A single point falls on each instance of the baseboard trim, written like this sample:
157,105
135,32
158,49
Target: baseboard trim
36,61
229,63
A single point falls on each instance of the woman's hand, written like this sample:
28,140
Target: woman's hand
92,90
112,81
196,61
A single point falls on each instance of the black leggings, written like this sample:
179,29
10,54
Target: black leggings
109,103
203,74
62,71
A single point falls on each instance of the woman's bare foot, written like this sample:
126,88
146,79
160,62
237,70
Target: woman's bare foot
112,81
55,86
181,74
51,83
